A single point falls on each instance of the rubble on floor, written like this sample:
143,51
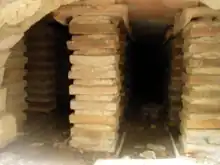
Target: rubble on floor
148,154
147,142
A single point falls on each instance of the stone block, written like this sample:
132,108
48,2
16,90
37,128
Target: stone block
93,19
41,98
189,14
212,54
95,61
96,52
39,65
196,48
95,112
190,79
94,74
91,41
64,12
104,98
96,90
87,68
79,9
201,124
36,73
96,28
204,71
41,107
97,127
200,120
93,134
40,90
94,119
41,84
95,82
94,105
201,104
201,63
202,29
201,92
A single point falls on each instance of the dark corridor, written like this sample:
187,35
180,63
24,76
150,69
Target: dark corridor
148,67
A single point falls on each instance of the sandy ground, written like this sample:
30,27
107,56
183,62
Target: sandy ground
140,135
45,142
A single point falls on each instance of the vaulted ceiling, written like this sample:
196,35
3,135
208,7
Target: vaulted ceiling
149,9
160,10
163,10
150,17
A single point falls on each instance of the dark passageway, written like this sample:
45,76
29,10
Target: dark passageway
52,99
148,77
148,67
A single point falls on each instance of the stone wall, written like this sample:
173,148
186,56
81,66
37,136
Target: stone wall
12,99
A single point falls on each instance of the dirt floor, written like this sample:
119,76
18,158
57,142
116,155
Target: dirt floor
142,139
45,142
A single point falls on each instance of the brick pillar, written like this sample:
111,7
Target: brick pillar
97,45
200,122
